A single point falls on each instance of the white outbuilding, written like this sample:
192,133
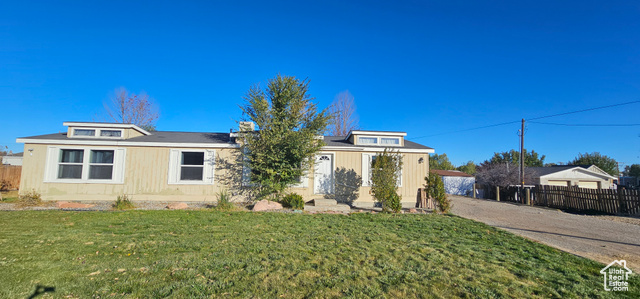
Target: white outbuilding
583,176
456,182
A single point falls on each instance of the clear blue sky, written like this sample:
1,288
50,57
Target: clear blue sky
424,67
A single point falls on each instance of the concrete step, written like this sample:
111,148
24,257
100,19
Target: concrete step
324,202
336,208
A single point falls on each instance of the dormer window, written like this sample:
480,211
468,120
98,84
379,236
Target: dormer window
97,133
111,133
389,141
84,132
368,140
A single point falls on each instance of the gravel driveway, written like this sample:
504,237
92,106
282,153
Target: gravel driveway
597,238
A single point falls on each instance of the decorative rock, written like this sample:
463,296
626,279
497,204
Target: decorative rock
413,211
177,206
265,205
73,205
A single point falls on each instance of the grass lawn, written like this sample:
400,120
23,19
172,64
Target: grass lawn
9,196
276,255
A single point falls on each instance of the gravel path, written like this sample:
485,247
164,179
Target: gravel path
601,238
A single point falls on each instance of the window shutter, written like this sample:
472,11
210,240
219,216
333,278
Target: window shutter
174,165
119,165
51,165
366,166
209,167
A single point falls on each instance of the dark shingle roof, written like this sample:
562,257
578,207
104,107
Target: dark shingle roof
540,171
339,141
157,136
201,137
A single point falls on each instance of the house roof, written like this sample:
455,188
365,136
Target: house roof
542,171
340,141
200,138
441,172
157,136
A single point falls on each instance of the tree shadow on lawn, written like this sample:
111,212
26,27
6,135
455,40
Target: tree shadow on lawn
41,290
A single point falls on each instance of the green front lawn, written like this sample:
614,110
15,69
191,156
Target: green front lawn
277,255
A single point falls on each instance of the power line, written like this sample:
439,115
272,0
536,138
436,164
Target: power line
586,125
464,130
585,110
517,121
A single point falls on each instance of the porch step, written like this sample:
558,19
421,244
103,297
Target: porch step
323,202
335,208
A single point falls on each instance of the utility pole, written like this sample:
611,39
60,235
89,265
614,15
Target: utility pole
522,155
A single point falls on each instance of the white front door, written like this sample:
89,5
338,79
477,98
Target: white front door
323,175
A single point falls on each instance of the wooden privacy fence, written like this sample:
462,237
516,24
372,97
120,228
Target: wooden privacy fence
424,201
610,201
10,177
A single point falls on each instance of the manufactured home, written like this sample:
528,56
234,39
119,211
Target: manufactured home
99,161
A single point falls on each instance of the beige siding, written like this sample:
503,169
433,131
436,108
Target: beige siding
146,178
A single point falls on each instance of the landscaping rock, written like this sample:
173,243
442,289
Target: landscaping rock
73,205
177,206
413,211
265,205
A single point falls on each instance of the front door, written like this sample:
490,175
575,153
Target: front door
323,175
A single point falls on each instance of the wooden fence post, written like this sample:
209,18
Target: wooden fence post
528,197
474,190
497,193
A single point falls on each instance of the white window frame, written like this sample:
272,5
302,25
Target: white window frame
98,133
379,140
52,165
303,181
366,169
208,169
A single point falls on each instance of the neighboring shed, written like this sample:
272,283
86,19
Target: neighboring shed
456,182
12,159
583,176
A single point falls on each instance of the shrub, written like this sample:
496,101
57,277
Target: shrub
123,202
31,198
224,201
385,172
435,190
293,201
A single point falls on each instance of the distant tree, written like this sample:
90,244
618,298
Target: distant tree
440,162
343,114
130,108
469,168
5,151
607,164
553,164
385,172
501,174
531,159
633,170
285,142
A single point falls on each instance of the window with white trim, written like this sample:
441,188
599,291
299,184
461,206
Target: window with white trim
367,161
97,133
84,132
85,165
378,140
367,140
191,166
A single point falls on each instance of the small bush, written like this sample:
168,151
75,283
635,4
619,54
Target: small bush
123,202
224,201
293,201
435,190
385,174
29,199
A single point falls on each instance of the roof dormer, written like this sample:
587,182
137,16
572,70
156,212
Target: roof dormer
96,130
376,138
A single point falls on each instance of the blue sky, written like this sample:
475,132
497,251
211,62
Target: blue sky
425,67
